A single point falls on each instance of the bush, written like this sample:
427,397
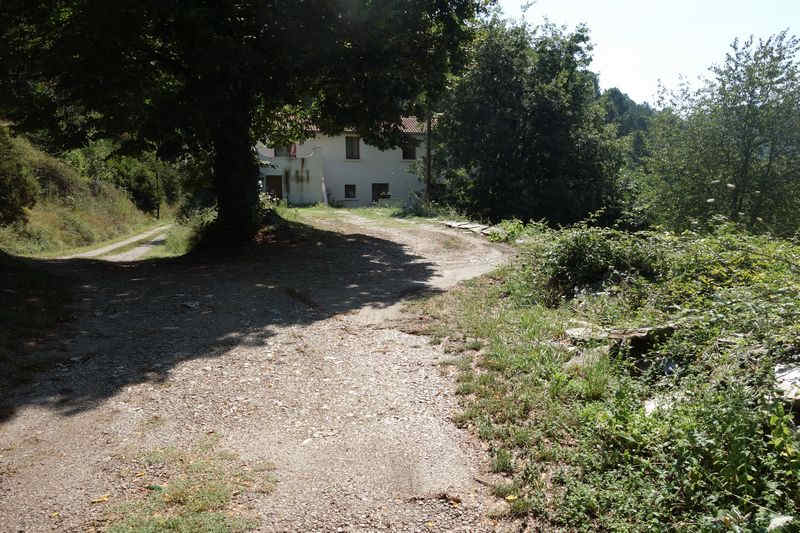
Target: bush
18,188
148,180
197,230
568,261
586,257
725,459
508,230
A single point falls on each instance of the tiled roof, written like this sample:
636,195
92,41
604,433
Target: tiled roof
412,125
407,124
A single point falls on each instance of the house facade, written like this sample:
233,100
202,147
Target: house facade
343,170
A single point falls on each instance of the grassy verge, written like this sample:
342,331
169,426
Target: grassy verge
184,235
179,241
194,490
377,212
684,431
132,232
33,306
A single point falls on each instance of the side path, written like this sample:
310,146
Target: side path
105,249
140,251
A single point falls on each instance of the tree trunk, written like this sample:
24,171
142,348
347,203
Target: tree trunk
236,176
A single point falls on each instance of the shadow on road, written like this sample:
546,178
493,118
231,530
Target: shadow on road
135,321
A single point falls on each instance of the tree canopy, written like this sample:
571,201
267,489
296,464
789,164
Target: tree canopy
523,133
731,147
213,77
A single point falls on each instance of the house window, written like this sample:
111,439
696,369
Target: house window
380,191
349,191
351,143
409,149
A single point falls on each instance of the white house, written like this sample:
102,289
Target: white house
343,169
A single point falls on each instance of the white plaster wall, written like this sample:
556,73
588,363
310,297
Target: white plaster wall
308,164
326,155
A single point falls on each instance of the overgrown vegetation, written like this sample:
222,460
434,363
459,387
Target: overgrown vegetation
56,204
149,181
684,432
200,487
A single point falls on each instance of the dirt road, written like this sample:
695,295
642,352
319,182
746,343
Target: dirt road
96,252
290,357
139,251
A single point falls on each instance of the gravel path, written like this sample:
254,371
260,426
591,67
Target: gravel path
292,357
111,247
138,252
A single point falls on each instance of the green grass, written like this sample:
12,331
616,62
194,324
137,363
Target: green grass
34,306
178,242
387,214
569,429
199,495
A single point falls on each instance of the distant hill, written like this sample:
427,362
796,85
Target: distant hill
632,119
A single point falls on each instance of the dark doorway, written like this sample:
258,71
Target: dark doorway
274,186
380,191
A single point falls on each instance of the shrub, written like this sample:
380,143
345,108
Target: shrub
418,207
147,180
508,230
727,458
197,229
18,188
567,261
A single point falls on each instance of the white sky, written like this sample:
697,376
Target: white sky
636,43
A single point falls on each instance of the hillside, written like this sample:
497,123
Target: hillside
72,209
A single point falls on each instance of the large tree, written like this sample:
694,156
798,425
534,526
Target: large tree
215,76
732,146
522,133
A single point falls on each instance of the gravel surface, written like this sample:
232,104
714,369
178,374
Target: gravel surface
140,251
291,357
